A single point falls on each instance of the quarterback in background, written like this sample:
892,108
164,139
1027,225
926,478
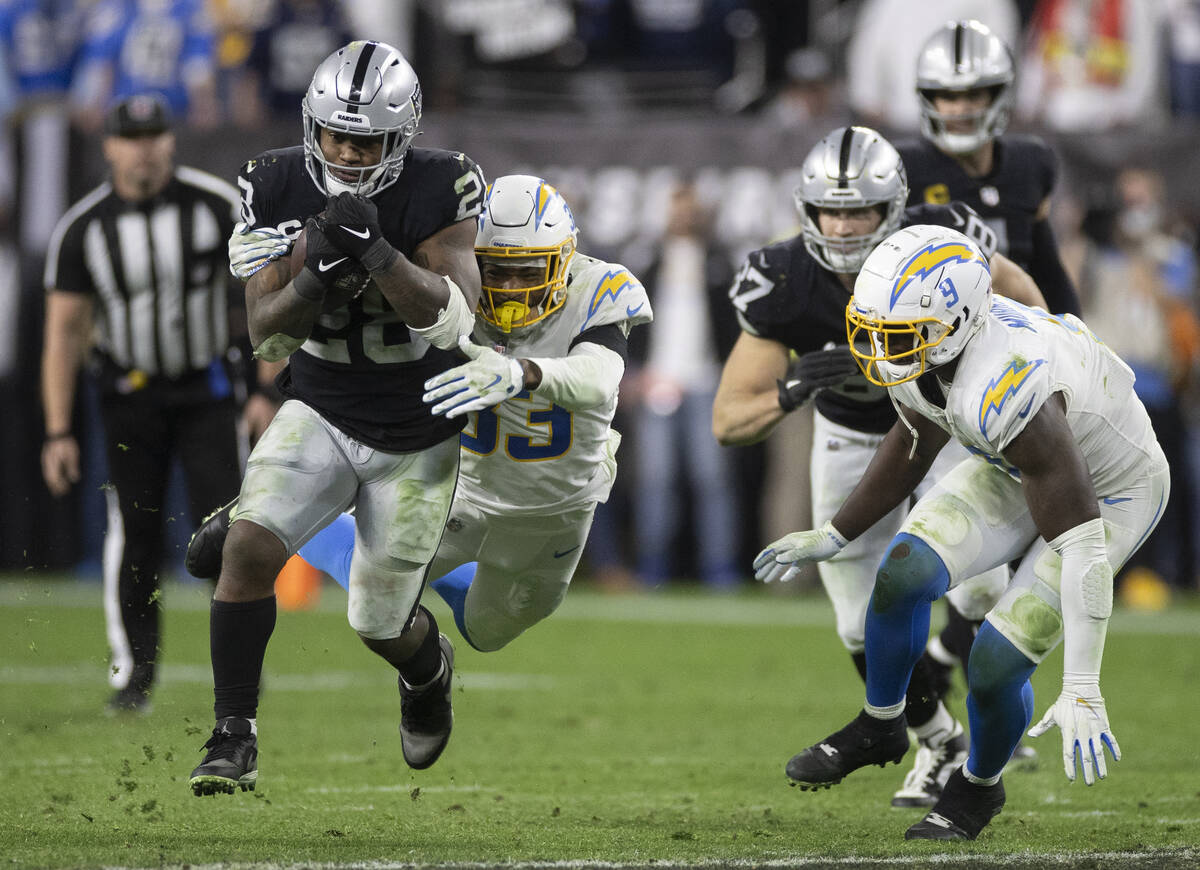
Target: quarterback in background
540,388
1066,477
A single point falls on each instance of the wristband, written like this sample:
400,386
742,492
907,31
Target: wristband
308,286
379,257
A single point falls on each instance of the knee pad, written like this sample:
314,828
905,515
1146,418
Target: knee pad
910,571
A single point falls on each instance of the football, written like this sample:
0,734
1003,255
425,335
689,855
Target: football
349,285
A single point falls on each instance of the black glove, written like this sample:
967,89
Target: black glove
327,270
351,222
812,371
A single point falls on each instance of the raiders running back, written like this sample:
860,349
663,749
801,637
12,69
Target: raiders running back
361,368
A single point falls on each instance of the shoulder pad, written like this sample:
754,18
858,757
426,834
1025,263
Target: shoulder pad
612,295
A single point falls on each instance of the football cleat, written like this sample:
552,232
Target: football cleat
866,740
131,699
963,810
426,715
932,767
203,559
231,762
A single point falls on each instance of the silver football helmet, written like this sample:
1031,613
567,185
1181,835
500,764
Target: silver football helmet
963,56
920,297
363,89
852,167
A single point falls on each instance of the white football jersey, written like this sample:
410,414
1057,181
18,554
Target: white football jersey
527,454
1020,357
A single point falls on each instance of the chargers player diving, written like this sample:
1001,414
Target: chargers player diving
790,297
388,285
1066,476
540,389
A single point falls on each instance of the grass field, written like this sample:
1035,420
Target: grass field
626,730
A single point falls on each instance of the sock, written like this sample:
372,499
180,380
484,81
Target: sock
999,701
910,578
425,665
238,634
884,713
979,780
958,635
860,664
938,652
940,727
330,549
453,588
925,691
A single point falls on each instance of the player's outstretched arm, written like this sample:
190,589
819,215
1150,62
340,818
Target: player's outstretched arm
890,478
1064,507
1009,279
746,408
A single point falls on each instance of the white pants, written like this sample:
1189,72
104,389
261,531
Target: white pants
525,566
976,517
305,471
839,457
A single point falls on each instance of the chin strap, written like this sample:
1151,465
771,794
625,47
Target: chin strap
912,430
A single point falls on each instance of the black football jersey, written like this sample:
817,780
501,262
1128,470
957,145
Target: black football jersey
782,293
1008,199
361,368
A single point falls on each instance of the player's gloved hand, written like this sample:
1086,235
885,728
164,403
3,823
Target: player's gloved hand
326,267
351,223
810,372
250,250
782,560
1079,712
488,379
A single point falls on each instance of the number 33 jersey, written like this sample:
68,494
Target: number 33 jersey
361,368
528,455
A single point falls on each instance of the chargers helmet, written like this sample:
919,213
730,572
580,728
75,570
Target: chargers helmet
920,297
525,223
852,167
362,89
962,56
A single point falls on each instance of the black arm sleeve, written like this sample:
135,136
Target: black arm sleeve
1047,271
609,335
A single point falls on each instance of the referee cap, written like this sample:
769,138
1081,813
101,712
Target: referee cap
138,115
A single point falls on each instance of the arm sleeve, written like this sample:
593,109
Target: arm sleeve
1049,274
585,378
1086,590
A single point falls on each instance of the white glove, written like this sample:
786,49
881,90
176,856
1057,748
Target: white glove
1079,712
783,559
488,379
250,250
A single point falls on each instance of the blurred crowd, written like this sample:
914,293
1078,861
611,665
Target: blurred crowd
1120,70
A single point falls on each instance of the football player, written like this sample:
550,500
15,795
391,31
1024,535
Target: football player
1067,478
387,287
539,453
791,297
965,88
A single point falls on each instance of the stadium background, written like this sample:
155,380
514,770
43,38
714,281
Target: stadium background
613,101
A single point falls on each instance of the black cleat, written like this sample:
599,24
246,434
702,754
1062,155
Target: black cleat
864,741
203,559
231,762
963,810
129,700
426,715
931,768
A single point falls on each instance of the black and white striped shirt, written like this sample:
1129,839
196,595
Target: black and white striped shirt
158,270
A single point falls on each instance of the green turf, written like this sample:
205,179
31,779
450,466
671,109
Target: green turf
631,730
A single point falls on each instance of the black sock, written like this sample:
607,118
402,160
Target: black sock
959,634
238,634
924,692
860,664
423,665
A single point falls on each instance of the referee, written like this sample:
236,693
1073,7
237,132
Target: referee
138,286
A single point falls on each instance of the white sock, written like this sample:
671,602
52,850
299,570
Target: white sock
940,728
980,780
885,713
